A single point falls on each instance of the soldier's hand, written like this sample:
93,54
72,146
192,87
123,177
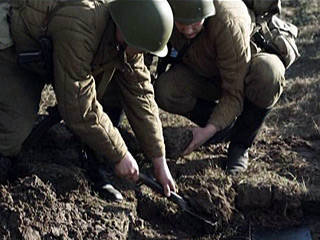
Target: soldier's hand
127,168
163,175
200,136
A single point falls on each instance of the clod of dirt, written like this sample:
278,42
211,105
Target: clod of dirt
63,179
176,140
203,201
211,195
31,210
270,192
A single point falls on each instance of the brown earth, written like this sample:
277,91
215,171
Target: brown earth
50,195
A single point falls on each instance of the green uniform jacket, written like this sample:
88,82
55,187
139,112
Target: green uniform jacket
221,52
83,36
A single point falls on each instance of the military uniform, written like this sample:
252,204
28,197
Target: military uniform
85,52
219,65
222,78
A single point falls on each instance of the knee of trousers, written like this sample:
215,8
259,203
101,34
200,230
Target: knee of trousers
265,81
13,134
168,93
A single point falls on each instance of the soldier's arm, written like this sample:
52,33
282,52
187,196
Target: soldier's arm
143,115
140,107
232,43
76,90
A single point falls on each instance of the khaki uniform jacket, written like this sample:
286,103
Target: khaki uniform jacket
221,53
83,36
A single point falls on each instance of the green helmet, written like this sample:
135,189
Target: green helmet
146,24
191,11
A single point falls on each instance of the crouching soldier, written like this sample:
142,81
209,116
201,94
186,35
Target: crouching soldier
96,68
217,80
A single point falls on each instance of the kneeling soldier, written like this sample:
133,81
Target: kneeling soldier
93,42
217,80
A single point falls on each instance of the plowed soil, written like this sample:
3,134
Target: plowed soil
49,193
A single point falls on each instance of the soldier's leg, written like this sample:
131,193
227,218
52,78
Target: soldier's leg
181,91
19,103
264,85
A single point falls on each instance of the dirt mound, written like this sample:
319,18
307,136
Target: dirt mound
50,193
211,194
30,209
176,140
271,200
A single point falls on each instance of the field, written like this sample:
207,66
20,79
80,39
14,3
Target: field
50,195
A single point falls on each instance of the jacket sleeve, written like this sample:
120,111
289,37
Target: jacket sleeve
140,107
76,91
232,43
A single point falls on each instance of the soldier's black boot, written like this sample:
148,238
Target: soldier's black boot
243,133
5,166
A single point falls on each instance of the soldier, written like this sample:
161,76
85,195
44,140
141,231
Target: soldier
219,81
93,42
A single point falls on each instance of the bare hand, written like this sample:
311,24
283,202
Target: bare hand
163,175
200,136
127,168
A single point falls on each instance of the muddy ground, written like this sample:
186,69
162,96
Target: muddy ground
50,194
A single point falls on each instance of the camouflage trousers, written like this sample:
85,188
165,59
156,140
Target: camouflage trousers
178,89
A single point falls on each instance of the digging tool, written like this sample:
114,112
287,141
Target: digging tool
97,175
177,199
54,118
